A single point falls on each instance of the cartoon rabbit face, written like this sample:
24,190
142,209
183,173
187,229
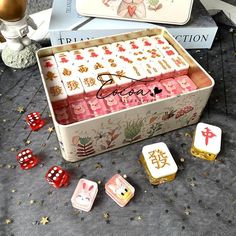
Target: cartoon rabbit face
111,101
170,86
84,197
94,104
121,190
78,109
184,84
61,114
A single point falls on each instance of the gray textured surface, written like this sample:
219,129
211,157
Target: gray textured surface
23,59
201,201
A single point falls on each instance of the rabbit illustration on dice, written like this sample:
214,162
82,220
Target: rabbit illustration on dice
119,190
132,9
84,195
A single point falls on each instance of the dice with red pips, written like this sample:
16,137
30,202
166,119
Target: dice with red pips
57,177
34,121
26,159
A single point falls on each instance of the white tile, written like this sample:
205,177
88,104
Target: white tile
159,160
208,138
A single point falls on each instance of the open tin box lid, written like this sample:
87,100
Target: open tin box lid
157,11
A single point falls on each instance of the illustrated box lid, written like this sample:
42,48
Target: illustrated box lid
157,11
67,23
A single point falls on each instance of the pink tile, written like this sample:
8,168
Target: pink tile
172,87
97,106
186,83
119,190
143,93
158,91
63,116
84,195
80,110
114,103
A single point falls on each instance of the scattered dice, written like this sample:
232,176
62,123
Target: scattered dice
34,121
84,195
158,163
57,177
26,159
207,141
119,190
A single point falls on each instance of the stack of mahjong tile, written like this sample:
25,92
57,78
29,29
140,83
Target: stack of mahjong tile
94,81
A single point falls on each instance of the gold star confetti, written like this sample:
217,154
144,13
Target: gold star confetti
106,215
187,135
21,109
32,202
8,221
138,218
50,129
98,165
27,142
44,220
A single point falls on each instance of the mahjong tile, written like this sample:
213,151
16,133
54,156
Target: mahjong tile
152,70
119,48
157,90
107,50
186,83
181,66
146,42
166,67
97,106
168,51
158,162
93,53
90,83
207,141
57,95
52,77
47,63
71,80
159,40
77,56
133,45
63,59
171,86
80,110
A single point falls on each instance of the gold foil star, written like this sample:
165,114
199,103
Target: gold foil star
8,221
27,142
21,109
44,220
50,129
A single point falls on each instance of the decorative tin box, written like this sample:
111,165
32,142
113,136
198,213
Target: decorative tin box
95,135
158,11
206,142
158,163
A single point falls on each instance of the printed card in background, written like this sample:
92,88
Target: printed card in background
158,11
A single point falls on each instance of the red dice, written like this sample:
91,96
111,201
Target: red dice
34,121
57,177
26,159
